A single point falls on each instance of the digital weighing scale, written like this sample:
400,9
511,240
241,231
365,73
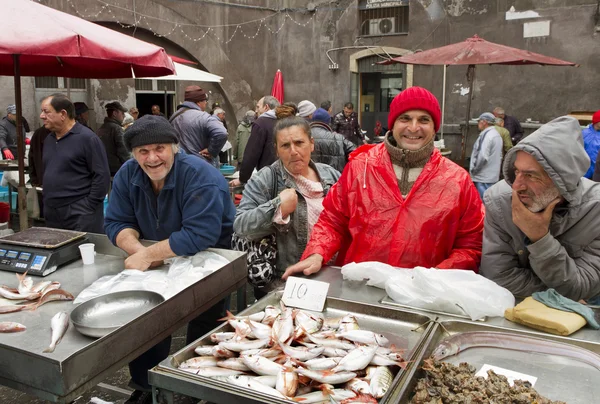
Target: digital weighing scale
39,250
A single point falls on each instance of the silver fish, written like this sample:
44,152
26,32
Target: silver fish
310,322
271,313
245,344
283,326
335,352
364,337
12,308
267,353
460,342
356,359
199,362
248,382
214,350
327,376
330,343
221,336
25,283
59,325
381,381
259,330
261,365
359,386
384,360
270,381
215,371
287,382
322,363
9,326
348,323
9,294
53,295
233,363
301,353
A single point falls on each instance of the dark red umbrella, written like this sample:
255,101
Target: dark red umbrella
476,51
36,40
277,89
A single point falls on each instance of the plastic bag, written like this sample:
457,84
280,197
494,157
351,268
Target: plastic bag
33,207
182,273
450,290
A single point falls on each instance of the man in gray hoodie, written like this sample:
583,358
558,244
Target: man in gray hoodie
486,157
542,222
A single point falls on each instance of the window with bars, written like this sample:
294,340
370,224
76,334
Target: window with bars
154,85
59,83
383,17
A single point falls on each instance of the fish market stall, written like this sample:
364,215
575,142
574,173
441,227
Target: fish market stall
78,362
571,377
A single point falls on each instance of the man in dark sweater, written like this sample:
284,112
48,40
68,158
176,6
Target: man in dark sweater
111,134
260,151
511,124
76,174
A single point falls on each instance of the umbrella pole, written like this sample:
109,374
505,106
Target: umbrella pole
470,79
443,101
21,199
166,110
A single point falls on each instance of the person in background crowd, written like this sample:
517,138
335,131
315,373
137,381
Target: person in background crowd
301,186
259,151
396,192
542,221
330,148
591,142
326,105
214,106
174,198
36,154
156,110
111,134
486,158
76,173
134,112
220,114
128,120
346,123
8,133
242,136
504,134
82,114
511,124
200,133
306,109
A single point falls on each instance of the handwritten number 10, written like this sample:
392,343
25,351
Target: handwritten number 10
298,291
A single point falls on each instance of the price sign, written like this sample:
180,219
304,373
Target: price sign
305,293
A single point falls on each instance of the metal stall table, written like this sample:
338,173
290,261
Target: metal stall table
79,362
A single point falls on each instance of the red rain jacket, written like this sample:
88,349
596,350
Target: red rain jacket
439,223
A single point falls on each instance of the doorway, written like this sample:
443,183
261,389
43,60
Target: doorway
376,94
145,101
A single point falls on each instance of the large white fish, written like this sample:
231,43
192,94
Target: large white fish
261,365
251,383
214,350
306,322
267,353
330,343
322,363
327,376
356,359
359,386
51,296
217,337
245,344
301,353
271,313
25,283
199,362
348,323
233,363
381,381
9,294
9,326
364,337
259,330
283,326
59,325
270,381
335,352
287,382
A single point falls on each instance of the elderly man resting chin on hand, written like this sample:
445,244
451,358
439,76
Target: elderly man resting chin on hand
542,223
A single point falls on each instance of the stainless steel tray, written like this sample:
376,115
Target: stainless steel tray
390,302
402,327
559,378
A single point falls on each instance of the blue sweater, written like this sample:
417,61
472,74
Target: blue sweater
193,210
591,142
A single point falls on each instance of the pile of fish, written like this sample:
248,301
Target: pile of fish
300,356
447,383
28,296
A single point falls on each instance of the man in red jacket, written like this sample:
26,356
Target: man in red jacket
400,202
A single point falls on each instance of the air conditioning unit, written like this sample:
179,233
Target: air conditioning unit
382,26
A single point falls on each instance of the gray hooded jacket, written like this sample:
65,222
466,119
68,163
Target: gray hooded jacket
568,257
254,217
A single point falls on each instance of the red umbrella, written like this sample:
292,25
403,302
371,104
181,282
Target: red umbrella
40,41
277,89
476,51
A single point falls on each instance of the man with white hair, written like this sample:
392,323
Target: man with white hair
306,109
8,133
177,199
511,123
486,157
542,221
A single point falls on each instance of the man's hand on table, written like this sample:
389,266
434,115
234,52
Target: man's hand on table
141,261
235,183
312,264
534,225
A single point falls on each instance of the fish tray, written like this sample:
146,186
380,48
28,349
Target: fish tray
405,329
558,377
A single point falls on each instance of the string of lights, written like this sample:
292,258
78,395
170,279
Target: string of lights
216,32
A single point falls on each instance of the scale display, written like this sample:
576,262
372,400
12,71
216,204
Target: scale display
37,261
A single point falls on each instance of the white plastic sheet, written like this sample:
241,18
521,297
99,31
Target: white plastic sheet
181,273
452,291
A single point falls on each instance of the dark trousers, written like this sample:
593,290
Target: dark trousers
78,216
205,322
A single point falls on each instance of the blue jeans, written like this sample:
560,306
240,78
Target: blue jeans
482,187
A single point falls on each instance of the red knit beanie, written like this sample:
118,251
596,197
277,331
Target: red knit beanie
596,117
415,98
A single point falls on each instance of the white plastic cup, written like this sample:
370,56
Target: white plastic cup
87,253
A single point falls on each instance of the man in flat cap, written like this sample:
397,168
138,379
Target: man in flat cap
111,134
486,157
175,198
82,114
199,133
8,133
